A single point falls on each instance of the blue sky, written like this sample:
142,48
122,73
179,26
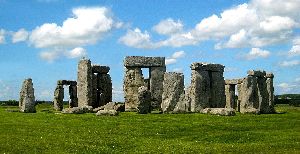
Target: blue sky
44,39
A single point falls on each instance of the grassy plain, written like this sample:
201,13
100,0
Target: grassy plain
47,132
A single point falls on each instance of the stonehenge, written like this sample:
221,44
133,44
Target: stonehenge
207,93
27,99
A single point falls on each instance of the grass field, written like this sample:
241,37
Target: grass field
47,132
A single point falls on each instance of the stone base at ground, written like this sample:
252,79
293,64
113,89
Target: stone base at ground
78,110
219,111
111,106
107,113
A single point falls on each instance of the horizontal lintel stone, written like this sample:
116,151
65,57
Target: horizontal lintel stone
100,69
234,81
66,82
256,73
207,67
141,61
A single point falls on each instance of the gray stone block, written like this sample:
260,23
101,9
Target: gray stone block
141,61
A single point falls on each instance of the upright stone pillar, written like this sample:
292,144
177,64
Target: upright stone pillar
207,86
199,90
58,98
73,96
262,92
132,81
105,86
84,83
156,85
173,92
27,99
270,90
230,94
217,89
249,94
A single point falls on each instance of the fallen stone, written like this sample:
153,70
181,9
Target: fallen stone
107,113
78,110
219,111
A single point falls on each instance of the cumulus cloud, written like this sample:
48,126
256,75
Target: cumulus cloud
286,87
256,24
2,36
295,50
168,27
76,52
290,63
173,59
20,35
138,39
256,53
87,26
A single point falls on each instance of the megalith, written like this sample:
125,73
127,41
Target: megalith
84,83
144,100
270,90
173,92
27,99
58,97
134,79
207,86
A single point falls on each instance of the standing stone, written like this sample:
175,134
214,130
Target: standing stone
27,99
58,98
105,88
73,96
95,101
132,81
217,89
199,90
230,94
84,83
249,95
156,85
144,100
173,91
270,90
262,93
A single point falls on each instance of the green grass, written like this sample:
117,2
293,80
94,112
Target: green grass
47,132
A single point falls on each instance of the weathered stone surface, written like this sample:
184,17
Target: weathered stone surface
217,90
230,95
27,99
156,85
73,102
111,106
104,88
262,94
107,113
249,94
251,110
140,61
58,98
100,69
95,92
219,111
234,81
84,83
132,81
199,90
173,91
66,82
270,90
256,73
185,105
78,110
207,67
144,100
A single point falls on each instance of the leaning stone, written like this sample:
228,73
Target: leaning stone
144,100
107,112
219,111
27,99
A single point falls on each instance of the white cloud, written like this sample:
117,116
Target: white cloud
173,59
50,56
86,27
289,63
286,87
76,52
2,36
256,53
255,24
20,35
178,70
170,61
168,27
295,50
297,79
138,39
